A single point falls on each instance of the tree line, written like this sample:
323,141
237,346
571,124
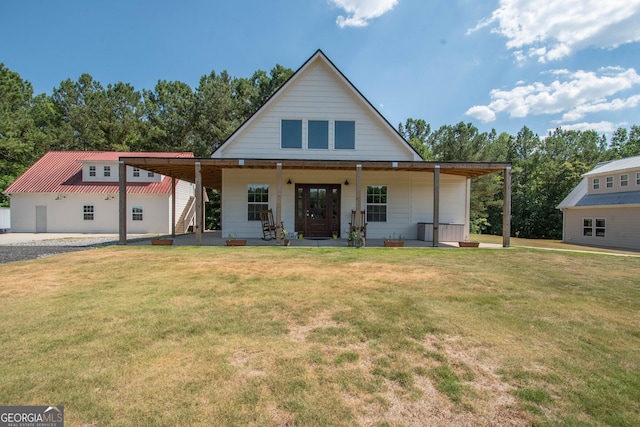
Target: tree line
85,115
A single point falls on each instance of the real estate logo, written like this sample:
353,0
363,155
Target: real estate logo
31,416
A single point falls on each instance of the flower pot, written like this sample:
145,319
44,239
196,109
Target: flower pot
468,244
393,244
236,242
162,242
286,242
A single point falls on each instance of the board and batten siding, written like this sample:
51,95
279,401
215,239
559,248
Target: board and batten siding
317,94
622,226
66,215
410,199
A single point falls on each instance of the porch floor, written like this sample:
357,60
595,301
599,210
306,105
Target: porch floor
214,238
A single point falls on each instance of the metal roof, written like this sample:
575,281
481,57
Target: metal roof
622,198
615,166
61,172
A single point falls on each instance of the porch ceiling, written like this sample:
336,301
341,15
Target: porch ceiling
211,169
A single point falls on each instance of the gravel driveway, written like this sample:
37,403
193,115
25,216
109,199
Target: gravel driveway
44,248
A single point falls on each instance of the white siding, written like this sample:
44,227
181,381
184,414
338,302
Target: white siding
622,226
410,199
66,215
184,190
632,184
317,94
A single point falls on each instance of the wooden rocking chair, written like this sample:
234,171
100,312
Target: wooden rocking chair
363,224
268,225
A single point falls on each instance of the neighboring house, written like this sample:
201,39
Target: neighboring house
604,209
318,150
77,192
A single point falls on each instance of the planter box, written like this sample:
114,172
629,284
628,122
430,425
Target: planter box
236,242
393,244
468,244
162,242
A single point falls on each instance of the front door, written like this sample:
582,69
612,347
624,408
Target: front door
318,209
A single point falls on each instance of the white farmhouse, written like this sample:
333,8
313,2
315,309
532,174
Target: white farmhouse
318,154
604,208
77,192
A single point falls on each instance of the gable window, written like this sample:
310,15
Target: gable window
291,134
257,200
345,135
136,172
136,213
377,203
624,180
600,227
92,171
150,174
87,211
106,171
596,183
318,134
609,182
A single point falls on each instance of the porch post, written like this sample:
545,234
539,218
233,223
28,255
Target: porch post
506,209
358,223
122,198
436,205
198,204
278,201
173,207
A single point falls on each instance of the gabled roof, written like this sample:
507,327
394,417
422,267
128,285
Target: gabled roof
319,56
61,172
579,197
615,166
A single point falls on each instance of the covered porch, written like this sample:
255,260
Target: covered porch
207,173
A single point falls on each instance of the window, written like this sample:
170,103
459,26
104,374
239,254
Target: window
345,135
92,171
87,211
318,134
136,213
106,171
291,134
150,174
609,182
637,178
596,183
377,203
624,180
587,227
600,227
589,230
257,200
136,172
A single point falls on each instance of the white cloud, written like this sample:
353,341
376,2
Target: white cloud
361,11
550,30
600,127
573,94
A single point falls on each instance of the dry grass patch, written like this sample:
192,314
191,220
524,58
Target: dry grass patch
341,337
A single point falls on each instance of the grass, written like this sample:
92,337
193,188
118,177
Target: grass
336,336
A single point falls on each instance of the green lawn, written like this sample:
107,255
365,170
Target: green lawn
338,336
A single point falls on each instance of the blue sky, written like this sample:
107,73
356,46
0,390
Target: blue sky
499,64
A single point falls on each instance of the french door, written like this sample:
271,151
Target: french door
318,209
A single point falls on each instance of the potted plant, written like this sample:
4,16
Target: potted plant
393,242
161,241
285,237
300,235
334,235
232,240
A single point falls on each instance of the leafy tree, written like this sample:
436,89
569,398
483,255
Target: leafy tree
416,132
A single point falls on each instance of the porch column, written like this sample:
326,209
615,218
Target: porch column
278,201
436,205
506,209
198,204
358,223
122,197
173,207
